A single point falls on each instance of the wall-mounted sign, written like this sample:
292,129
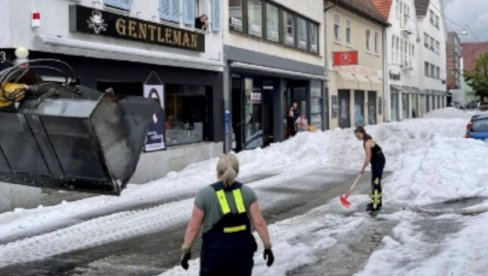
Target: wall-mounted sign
345,58
97,22
360,70
394,76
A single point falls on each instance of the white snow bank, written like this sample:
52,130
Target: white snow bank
334,148
444,169
409,251
449,113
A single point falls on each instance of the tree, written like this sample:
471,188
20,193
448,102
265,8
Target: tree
478,78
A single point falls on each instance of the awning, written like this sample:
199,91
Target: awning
363,82
272,70
395,88
376,83
346,80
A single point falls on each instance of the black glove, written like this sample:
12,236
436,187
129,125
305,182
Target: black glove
268,256
185,257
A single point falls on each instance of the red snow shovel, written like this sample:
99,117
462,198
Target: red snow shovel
343,198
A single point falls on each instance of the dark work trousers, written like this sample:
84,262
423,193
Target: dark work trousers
377,166
227,255
290,125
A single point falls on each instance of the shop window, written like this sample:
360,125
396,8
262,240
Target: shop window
314,41
186,114
348,31
368,38
376,42
316,104
337,27
235,15
255,17
289,25
302,33
272,23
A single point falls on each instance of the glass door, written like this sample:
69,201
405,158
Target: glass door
253,115
359,108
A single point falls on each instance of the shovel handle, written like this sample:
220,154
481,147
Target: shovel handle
353,185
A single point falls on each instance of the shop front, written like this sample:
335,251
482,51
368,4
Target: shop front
356,96
262,94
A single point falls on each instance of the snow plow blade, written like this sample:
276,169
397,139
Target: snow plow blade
85,141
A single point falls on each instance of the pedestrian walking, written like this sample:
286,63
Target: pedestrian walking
373,155
224,212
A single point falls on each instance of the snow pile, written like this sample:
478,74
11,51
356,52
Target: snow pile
449,113
444,169
411,250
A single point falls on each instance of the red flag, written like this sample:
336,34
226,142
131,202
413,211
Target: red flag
346,58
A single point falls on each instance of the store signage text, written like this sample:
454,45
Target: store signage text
394,76
92,21
345,58
360,70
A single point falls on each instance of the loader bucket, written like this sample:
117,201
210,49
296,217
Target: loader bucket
89,143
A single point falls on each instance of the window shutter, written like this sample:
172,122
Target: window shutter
175,10
216,20
119,4
189,12
165,9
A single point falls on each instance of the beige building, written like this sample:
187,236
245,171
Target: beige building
355,55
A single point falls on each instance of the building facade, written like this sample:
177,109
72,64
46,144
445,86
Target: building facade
274,55
470,51
119,44
431,31
356,61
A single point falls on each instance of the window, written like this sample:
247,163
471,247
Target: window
426,69
122,5
438,73
437,47
432,71
272,23
431,17
302,33
190,9
432,42
397,48
397,8
368,37
437,21
187,114
376,42
255,17
289,28
337,27
235,15
314,35
413,50
402,56
348,31
170,10
426,40
393,48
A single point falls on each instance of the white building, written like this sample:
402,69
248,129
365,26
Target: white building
416,56
432,61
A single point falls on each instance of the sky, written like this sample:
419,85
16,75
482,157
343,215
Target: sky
473,13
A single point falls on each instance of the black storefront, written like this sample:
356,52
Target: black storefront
262,88
192,97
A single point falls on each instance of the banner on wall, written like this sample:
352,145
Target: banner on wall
155,136
345,58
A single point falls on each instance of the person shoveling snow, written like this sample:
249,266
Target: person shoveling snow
375,156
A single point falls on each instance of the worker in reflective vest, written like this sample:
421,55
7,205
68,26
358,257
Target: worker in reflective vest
224,212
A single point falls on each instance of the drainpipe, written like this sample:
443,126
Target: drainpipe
386,92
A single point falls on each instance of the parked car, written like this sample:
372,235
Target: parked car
478,127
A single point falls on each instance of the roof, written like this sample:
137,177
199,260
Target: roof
471,51
383,6
364,8
421,6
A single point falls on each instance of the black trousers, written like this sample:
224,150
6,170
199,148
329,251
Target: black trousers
377,166
227,255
